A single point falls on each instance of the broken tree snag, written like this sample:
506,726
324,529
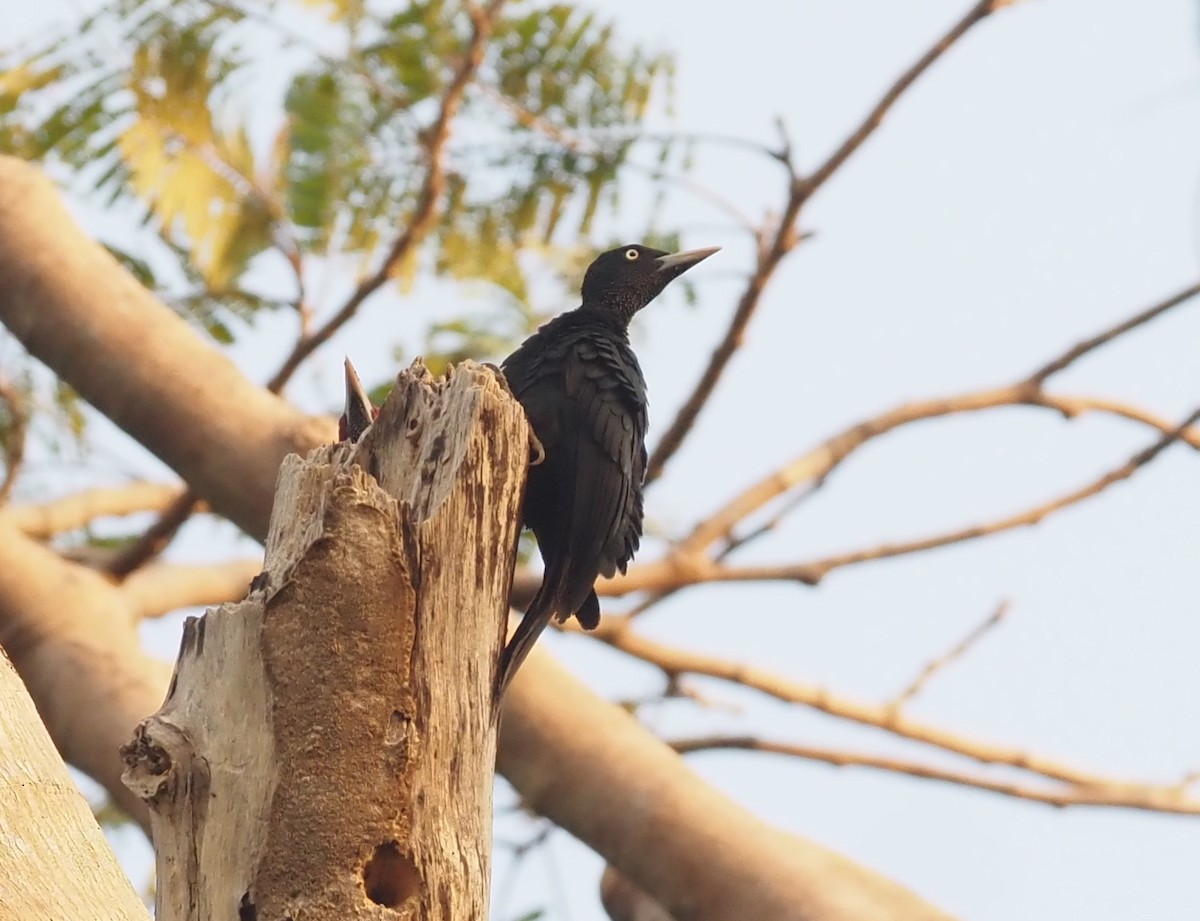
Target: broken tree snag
326,749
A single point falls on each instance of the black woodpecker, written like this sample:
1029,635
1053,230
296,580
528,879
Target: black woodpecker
584,394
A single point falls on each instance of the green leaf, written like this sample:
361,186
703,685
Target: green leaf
136,266
193,178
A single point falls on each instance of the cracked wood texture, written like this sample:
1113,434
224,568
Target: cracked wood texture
327,747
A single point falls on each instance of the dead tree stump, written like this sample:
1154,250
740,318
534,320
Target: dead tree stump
326,748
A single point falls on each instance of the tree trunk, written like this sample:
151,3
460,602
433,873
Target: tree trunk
54,861
327,746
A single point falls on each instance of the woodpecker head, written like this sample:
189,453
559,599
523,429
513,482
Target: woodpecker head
624,280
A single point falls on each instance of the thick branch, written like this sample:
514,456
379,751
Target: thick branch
75,309
45,520
56,862
165,587
71,636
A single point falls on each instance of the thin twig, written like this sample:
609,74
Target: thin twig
960,649
673,660
425,215
1077,351
815,571
156,538
874,119
13,438
688,567
686,564
779,244
1111,793
782,239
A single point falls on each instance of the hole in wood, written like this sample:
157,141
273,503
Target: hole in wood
397,729
389,877
246,909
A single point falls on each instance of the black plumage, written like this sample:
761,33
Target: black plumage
583,391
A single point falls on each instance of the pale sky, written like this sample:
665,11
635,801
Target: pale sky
1037,185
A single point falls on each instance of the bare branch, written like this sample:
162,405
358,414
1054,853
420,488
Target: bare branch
75,511
686,567
1077,351
425,216
960,649
686,564
156,538
775,244
816,465
814,572
676,661
874,119
1113,793
153,591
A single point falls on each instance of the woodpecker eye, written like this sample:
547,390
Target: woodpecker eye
631,254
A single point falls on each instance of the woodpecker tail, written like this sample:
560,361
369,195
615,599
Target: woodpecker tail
544,607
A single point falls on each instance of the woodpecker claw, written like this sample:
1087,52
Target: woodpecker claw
359,413
537,451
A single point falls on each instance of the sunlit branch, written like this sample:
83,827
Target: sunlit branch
153,591
674,661
44,520
681,569
1111,793
818,463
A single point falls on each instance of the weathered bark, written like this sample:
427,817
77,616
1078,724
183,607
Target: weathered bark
327,746
530,760
54,861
